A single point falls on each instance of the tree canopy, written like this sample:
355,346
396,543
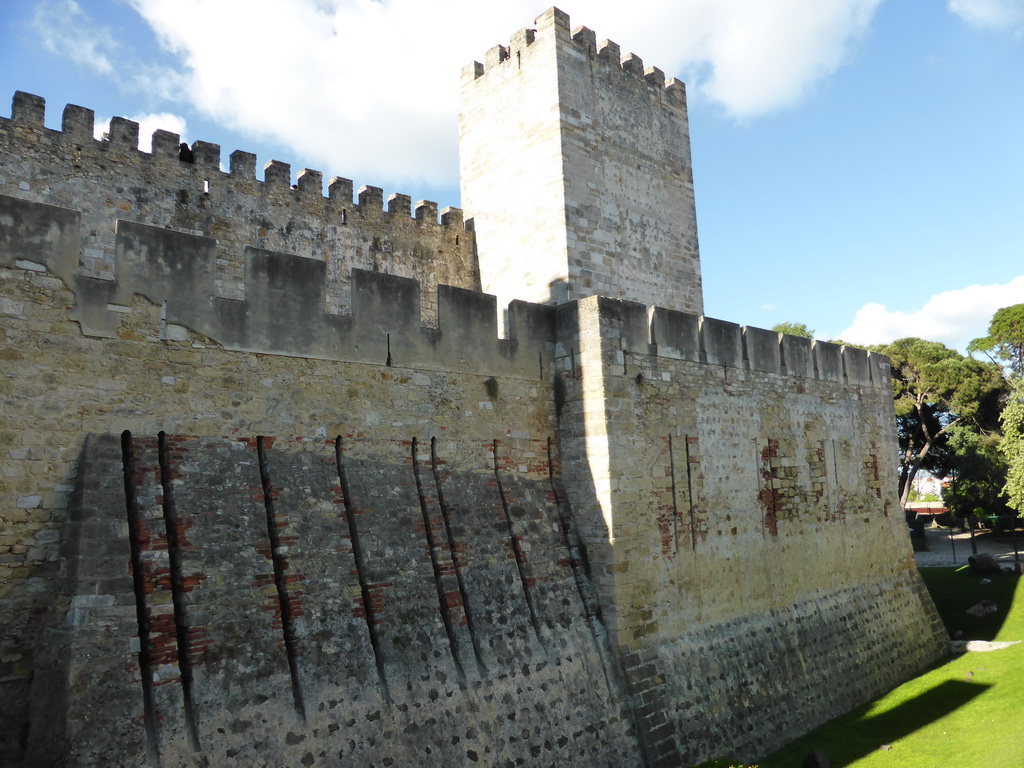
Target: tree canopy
1005,340
1012,446
1005,344
978,473
935,389
794,329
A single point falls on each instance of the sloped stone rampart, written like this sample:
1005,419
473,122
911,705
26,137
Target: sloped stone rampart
536,687
741,525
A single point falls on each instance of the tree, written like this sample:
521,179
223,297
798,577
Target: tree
936,389
1012,446
1005,340
794,329
1005,343
978,473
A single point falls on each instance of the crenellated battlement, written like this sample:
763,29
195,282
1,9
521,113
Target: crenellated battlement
554,24
286,312
672,335
184,189
28,112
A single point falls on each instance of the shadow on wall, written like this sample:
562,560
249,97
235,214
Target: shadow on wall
342,595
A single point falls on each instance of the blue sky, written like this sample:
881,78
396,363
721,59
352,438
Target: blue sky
859,164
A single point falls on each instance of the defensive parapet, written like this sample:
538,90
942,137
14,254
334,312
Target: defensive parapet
285,310
608,52
185,190
593,153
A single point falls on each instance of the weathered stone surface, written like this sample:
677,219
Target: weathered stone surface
596,182
273,491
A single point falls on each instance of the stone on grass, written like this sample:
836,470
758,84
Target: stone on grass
983,608
984,563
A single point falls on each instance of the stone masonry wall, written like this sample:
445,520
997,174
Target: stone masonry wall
272,492
504,667
734,492
311,602
576,171
110,179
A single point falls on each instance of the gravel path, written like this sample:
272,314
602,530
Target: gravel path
941,551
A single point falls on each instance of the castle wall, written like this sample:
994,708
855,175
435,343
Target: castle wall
112,179
274,491
724,497
378,641
596,183
483,648
733,490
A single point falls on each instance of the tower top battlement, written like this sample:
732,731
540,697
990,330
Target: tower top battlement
593,152
585,40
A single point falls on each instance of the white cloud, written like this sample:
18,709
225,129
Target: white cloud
952,317
66,29
990,14
369,88
148,123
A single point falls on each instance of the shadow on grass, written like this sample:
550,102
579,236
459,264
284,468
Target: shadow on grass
859,733
956,589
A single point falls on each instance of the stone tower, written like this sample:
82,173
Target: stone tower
575,167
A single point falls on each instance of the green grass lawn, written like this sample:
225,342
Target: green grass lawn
964,713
